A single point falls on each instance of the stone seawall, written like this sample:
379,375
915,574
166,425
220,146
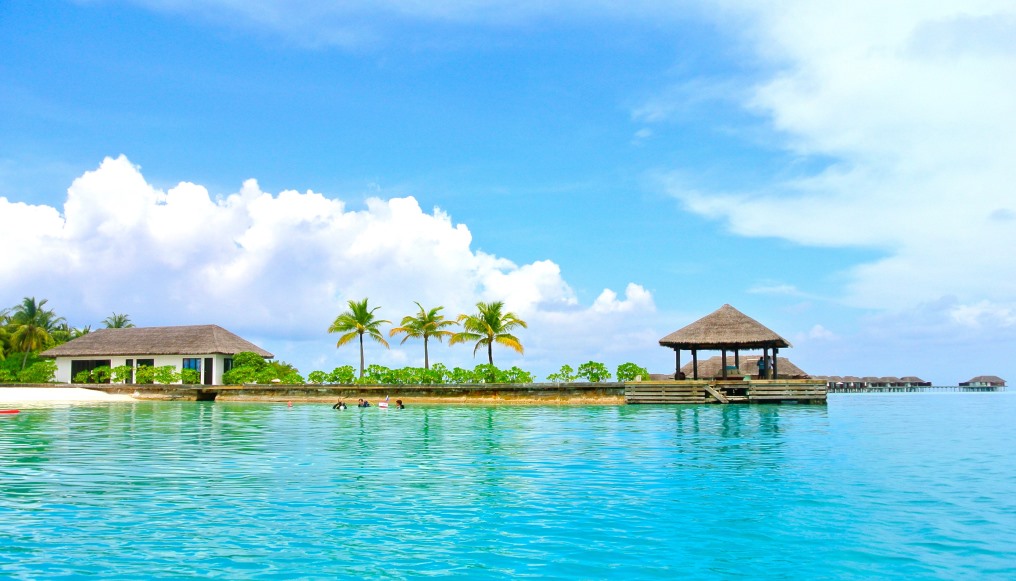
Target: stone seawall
527,393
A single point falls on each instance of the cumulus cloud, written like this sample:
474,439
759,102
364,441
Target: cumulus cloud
911,104
281,267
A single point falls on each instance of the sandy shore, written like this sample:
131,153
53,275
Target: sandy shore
14,396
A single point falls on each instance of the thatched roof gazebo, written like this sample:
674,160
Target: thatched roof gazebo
726,329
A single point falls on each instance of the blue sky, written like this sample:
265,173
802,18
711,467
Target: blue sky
841,174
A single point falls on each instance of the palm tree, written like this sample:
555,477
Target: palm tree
116,321
356,322
32,326
424,324
489,326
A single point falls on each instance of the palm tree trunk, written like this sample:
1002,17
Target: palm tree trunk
426,355
24,360
490,352
361,355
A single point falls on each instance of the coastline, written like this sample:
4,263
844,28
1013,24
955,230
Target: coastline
19,395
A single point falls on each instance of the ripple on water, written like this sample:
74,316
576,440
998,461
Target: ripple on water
911,486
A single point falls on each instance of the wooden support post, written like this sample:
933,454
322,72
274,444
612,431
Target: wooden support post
737,361
694,363
724,362
776,351
677,362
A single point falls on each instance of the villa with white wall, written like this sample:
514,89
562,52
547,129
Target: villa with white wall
208,349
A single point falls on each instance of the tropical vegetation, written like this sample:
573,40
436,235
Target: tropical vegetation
424,325
489,325
28,328
252,368
358,321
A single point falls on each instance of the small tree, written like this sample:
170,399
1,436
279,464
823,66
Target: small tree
121,374
631,372
190,376
344,375
144,374
565,375
593,372
39,372
166,374
101,374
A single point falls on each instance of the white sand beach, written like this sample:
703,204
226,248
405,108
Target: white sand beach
25,395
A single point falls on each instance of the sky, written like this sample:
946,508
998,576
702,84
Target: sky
841,172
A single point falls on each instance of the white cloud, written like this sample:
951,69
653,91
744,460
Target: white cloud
636,299
912,103
820,333
280,267
983,314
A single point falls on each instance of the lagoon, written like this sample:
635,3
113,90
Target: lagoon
870,486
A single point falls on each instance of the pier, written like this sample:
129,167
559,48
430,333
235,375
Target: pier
910,388
708,391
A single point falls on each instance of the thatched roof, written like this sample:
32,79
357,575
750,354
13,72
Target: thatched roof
185,340
985,380
725,328
713,367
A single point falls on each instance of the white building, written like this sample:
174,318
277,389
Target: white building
208,349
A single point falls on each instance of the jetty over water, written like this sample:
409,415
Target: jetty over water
713,391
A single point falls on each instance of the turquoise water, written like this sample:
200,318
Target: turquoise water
872,486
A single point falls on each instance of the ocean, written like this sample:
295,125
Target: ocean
887,486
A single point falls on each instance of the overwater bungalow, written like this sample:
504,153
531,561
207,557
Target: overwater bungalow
984,381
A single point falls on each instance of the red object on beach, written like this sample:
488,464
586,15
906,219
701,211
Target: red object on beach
10,411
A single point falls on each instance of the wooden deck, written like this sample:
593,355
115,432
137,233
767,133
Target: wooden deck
726,392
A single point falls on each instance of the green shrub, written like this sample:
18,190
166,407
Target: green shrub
101,374
459,376
166,374
516,375
630,371
240,376
593,372
121,374
317,377
43,371
344,375
565,375
7,377
190,376
84,376
144,374
248,359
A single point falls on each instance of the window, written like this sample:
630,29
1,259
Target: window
227,364
145,376
130,374
88,366
192,363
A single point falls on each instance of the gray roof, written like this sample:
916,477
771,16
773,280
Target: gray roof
183,340
724,328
